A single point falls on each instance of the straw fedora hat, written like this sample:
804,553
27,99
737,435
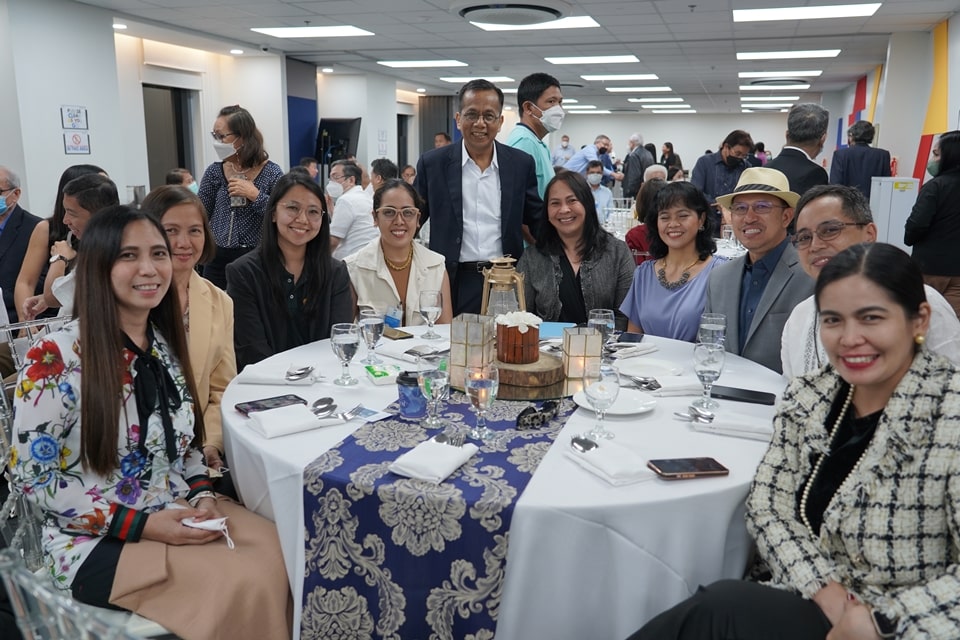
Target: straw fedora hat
761,180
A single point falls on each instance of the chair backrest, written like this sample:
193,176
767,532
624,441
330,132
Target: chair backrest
21,335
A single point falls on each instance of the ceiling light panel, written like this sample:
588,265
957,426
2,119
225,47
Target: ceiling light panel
766,99
780,74
420,64
465,79
787,55
806,13
593,59
638,89
573,22
665,106
342,31
781,87
654,100
621,76
674,111
598,112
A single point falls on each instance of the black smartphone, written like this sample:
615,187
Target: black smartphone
630,336
743,395
686,468
246,408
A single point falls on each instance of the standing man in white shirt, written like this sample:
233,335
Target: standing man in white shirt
351,227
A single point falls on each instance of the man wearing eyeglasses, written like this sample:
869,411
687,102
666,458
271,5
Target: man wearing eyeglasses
758,291
479,194
831,218
351,226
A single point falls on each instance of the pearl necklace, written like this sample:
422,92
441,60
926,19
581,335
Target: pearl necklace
816,469
403,265
684,277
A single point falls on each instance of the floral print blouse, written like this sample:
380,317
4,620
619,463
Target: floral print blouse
79,506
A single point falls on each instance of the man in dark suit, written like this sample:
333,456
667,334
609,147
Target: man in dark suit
479,193
859,163
16,225
806,132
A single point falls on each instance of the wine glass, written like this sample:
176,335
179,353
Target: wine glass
601,386
431,304
713,328
371,326
434,384
345,340
482,384
602,321
708,364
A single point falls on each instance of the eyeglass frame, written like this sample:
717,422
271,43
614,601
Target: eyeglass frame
402,211
8,189
534,418
220,137
839,225
286,207
753,206
488,118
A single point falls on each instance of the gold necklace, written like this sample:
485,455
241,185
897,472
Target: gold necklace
684,277
816,469
401,266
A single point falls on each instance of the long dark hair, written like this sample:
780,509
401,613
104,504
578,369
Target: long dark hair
594,238
949,151
316,265
165,197
241,123
102,339
58,230
681,194
885,265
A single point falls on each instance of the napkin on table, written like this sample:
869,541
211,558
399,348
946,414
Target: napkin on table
614,463
738,425
631,349
283,421
432,461
678,386
270,373
398,348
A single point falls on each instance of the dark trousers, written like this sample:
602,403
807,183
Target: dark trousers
216,271
467,289
738,610
94,579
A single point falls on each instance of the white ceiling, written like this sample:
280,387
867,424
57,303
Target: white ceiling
690,44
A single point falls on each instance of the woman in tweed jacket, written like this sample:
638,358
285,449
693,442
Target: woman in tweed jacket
856,505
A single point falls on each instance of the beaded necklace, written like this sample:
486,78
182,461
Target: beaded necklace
684,277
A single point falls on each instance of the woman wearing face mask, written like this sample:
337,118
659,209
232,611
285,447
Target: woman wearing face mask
933,228
235,190
182,178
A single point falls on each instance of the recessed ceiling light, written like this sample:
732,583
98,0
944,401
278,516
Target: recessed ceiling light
806,13
341,31
593,60
665,106
780,87
575,107
420,64
590,113
674,111
780,74
570,101
787,55
766,99
638,89
236,52
657,100
465,79
767,105
327,70
573,22
421,90
622,76
119,26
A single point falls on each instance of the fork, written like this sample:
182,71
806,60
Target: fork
454,439
645,383
347,416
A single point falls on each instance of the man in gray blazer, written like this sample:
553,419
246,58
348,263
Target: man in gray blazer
758,291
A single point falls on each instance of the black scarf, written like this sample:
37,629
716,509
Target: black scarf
154,389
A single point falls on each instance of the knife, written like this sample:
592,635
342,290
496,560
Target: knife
742,395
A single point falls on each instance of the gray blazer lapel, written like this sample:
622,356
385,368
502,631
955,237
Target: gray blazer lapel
782,274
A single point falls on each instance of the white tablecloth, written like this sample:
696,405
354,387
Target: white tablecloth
586,559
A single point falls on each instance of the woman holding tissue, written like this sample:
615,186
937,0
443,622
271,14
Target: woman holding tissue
108,445
854,506
235,190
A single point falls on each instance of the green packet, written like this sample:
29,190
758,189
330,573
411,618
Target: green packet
380,374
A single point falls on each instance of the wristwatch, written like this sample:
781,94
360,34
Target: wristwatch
884,626
57,256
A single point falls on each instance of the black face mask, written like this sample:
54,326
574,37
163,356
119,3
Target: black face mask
602,150
733,161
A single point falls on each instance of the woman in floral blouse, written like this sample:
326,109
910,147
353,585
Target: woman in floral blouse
121,483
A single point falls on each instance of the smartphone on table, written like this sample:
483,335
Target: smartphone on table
686,468
246,408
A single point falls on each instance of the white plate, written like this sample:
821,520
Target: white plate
644,366
629,402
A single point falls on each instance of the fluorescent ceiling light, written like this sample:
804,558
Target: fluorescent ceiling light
638,89
574,107
509,90
464,79
119,26
780,74
767,99
656,100
573,22
421,90
236,52
665,106
326,70
622,76
674,111
341,31
599,112
787,55
570,101
593,60
779,87
806,13
420,64
767,105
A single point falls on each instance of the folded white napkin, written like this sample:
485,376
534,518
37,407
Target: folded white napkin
398,348
678,386
286,420
738,425
271,373
614,463
630,349
432,461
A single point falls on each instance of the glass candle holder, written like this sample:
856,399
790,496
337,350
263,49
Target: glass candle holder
582,348
473,342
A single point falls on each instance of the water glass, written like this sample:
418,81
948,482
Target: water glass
601,386
708,365
431,305
713,328
434,382
482,384
371,326
345,341
602,321
726,232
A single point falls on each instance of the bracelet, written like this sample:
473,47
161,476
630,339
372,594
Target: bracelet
195,500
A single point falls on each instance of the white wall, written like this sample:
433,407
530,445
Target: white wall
373,99
953,65
11,138
905,91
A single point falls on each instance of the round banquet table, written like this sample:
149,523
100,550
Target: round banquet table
586,559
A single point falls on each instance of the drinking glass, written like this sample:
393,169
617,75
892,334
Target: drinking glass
431,304
602,321
482,384
713,328
371,326
601,386
435,385
726,232
345,340
708,364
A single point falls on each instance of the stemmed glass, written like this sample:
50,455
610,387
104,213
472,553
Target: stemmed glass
345,341
371,326
601,386
713,328
482,384
602,321
434,384
431,304
708,364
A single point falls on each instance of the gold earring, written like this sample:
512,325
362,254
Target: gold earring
919,339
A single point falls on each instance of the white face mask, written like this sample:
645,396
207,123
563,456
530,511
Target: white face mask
334,189
224,150
564,144
593,179
552,118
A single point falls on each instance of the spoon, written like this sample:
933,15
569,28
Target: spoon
293,375
326,411
322,405
703,414
690,416
582,444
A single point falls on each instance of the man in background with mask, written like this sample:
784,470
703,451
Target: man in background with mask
716,174
16,225
636,162
602,196
563,152
582,158
539,100
351,226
